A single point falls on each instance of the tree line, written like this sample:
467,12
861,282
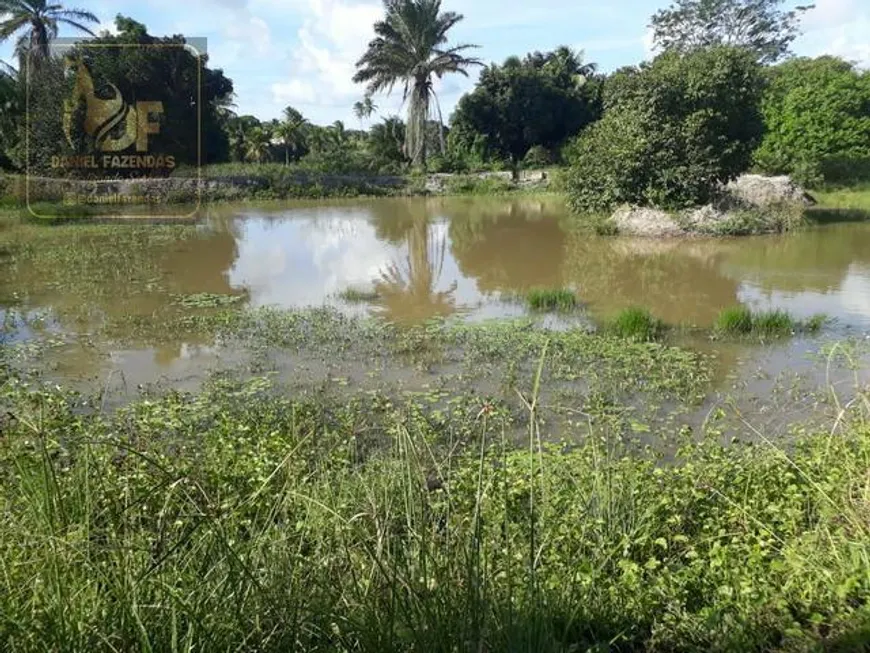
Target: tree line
724,95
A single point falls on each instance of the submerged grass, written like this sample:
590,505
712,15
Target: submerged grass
241,519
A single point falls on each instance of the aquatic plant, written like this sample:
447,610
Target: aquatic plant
551,299
636,323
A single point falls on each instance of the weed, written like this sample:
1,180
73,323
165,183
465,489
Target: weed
636,323
551,299
735,321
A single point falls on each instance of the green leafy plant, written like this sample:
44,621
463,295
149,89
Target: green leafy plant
673,131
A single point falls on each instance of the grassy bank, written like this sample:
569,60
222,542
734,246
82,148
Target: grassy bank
243,519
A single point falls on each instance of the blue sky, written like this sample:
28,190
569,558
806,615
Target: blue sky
301,52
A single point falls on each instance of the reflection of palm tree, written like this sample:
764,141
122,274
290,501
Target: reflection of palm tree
408,292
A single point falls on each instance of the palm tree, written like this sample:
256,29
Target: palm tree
257,143
291,132
364,109
39,22
409,49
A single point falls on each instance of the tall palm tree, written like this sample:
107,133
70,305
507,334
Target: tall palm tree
38,22
291,131
364,109
410,48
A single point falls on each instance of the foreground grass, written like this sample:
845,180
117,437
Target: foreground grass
635,323
240,519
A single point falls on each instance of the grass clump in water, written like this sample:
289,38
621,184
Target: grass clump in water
635,323
736,320
742,321
551,299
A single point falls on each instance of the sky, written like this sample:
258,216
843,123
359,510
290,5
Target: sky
302,52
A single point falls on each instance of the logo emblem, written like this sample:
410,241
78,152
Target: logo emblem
114,124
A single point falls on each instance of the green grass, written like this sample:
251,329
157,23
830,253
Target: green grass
551,299
742,321
735,321
637,324
841,205
243,519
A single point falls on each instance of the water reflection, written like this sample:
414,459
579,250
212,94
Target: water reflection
425,258
408,287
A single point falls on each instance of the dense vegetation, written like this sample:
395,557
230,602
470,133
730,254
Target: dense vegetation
817,117
243,518
672,132
662,133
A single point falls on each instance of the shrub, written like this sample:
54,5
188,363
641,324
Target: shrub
637,324
817,120
671,134
538,156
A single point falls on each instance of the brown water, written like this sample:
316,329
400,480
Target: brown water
423,258
427,258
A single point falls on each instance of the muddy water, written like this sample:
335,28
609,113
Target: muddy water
451,257
418,259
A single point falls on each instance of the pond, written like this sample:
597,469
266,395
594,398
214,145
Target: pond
407,260
442,257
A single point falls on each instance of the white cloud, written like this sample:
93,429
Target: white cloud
333,35
250,32
295,91
837,27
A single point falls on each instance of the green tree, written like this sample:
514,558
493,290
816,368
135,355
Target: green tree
11,112
38,23
364,109
384,143
540,101
676,130
192,94
291,131
257,142
410,48
817,119
237,129
758,25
